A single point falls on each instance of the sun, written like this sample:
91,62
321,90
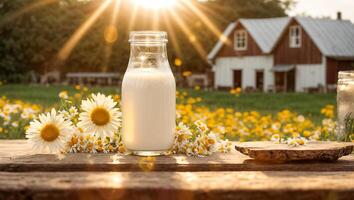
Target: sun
155,4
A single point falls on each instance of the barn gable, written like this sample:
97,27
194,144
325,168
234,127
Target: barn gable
228,50
327,42
265,31
263,34
306,53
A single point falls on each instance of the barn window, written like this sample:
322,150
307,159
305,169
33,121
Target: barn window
240,40
295,37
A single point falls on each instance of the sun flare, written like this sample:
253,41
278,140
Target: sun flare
155,4
166,13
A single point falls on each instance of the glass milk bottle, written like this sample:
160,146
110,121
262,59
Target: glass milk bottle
345,105
148,96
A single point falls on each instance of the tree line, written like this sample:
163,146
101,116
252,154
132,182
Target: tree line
33,32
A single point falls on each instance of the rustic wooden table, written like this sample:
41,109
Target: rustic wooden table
24,175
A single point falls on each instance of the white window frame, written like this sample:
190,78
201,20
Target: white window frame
240,40
295,36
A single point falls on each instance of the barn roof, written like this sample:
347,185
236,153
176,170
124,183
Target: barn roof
265,31
334,38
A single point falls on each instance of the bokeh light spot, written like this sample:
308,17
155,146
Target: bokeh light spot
110,34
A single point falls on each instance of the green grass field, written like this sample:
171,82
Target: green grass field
306,104
44,95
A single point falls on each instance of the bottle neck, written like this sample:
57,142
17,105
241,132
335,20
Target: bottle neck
144,55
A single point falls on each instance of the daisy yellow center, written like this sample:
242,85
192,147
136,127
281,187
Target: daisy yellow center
100,116
49,133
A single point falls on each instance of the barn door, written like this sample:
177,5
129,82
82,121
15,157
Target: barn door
237,78
290,85
285,81
259,80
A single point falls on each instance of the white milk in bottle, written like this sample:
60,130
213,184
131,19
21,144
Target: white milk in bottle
148,96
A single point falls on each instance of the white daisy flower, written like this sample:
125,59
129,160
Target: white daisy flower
63,94
276,126
300,118
213,138
14,124
296,141
315,136
100,117
224,146
275,138
50,133
69,114
64,113
11,108
201,126
292,142
182,129
73,111
27,113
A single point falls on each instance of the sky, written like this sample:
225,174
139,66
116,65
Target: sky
325,8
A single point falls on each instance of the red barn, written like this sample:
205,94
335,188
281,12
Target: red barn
283,54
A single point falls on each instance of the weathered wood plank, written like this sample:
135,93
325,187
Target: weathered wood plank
269,151
177,185
16,156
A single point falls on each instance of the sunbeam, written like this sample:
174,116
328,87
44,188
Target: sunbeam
214,29
172,35
218,16
189,34
133,16
80,32
111,34
155,20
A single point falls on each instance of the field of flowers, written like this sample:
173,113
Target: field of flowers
235,125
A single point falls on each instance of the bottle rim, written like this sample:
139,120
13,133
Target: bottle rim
147,37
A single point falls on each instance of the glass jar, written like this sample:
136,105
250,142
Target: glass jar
148,96
345,105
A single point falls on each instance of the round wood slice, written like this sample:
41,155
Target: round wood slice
320,151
